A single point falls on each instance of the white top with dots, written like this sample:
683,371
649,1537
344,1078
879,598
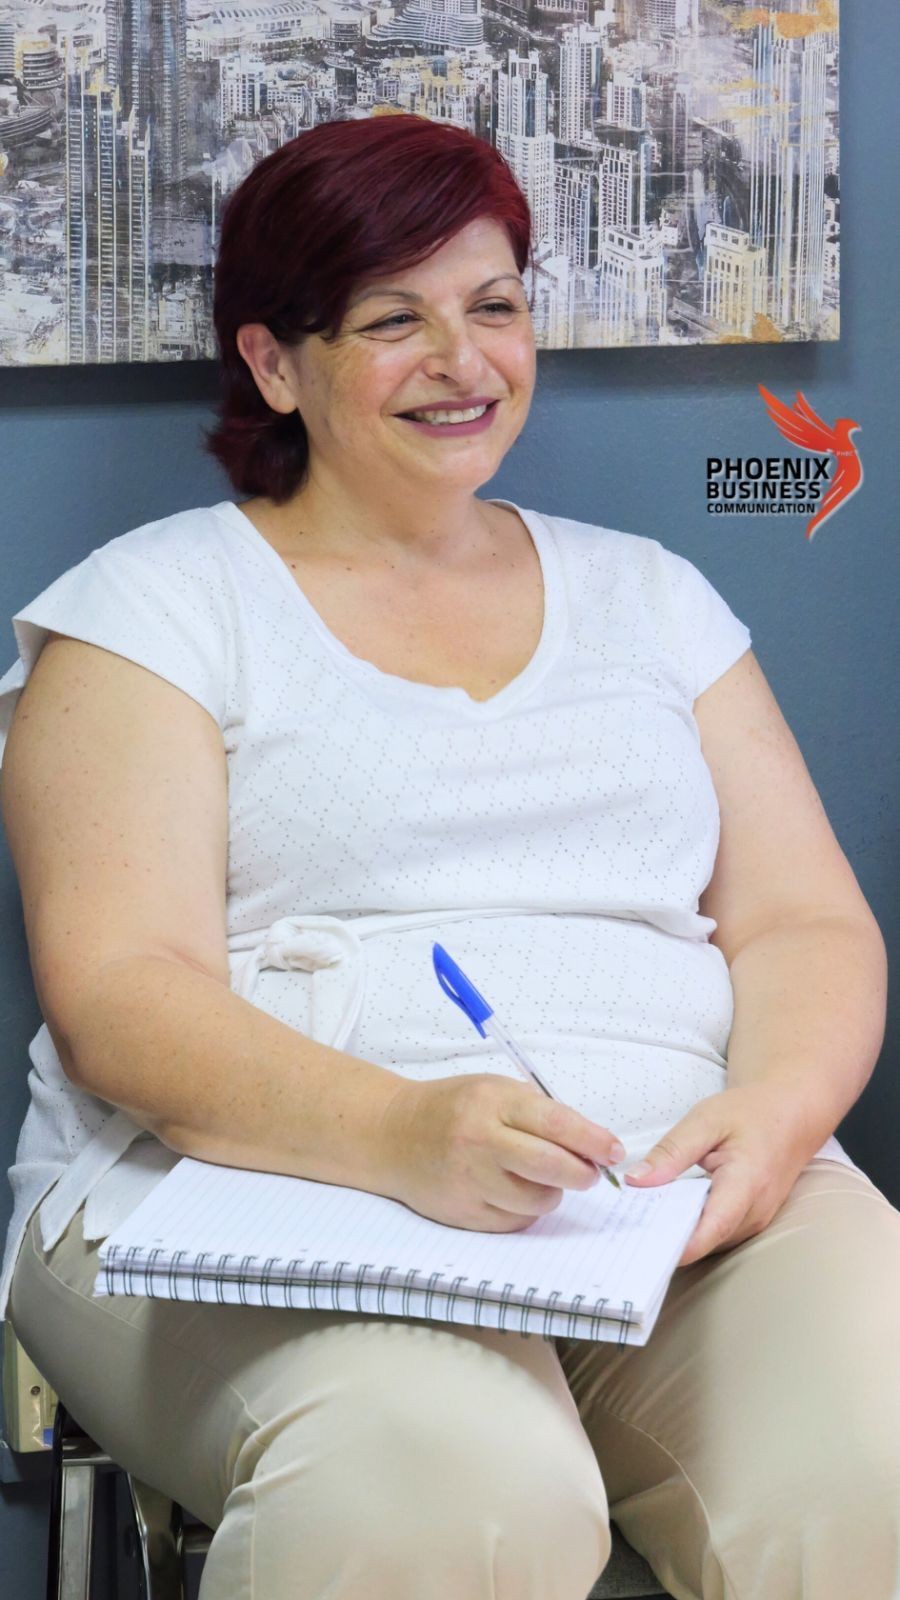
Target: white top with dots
554,838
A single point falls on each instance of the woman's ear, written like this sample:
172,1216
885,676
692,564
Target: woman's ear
268,364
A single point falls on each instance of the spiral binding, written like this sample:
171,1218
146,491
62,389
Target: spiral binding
323,1285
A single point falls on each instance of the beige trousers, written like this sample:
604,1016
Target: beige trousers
751,1450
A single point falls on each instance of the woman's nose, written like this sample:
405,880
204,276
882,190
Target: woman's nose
454,350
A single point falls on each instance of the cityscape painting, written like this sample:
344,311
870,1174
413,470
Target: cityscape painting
680,157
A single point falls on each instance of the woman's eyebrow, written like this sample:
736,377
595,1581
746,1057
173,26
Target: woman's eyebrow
408,294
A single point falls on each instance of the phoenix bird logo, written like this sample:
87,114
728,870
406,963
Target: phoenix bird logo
800,425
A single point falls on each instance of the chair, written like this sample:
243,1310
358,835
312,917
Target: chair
158,1536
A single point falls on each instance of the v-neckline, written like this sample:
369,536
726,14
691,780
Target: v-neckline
553,628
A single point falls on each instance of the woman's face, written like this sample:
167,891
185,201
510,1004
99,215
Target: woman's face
431,335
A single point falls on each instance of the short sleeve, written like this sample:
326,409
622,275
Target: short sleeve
708,637
152,605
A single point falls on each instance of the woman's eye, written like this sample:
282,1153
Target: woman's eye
392,322
398,320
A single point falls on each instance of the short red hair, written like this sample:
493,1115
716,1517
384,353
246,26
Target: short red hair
345,201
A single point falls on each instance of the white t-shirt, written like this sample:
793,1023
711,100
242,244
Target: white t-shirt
554,838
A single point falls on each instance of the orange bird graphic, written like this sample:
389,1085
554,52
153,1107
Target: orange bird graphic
800,425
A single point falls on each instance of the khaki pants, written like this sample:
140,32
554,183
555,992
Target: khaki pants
751,1450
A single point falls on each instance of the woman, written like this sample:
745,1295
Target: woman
291,741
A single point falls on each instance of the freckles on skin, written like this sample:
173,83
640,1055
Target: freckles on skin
331,392
349,376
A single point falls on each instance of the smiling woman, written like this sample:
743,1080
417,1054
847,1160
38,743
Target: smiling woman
270,752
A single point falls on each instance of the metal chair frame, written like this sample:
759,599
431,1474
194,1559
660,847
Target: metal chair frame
161,1537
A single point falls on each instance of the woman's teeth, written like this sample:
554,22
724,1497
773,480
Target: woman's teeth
448,416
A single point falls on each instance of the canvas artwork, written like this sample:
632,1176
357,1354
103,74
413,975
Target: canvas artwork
680,157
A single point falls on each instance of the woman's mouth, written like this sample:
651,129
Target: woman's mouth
473,419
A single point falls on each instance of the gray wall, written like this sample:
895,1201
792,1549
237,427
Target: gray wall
619,438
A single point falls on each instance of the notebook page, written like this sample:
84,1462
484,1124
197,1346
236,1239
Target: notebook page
597,1242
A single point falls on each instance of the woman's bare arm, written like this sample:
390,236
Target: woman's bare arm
113,793
806,956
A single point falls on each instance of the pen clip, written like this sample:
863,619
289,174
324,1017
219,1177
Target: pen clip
463,993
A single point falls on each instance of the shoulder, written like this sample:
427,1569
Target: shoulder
161,594
183,543
634,558
659,600
177,562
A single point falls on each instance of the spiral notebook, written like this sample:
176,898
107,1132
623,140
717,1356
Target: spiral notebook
598,1267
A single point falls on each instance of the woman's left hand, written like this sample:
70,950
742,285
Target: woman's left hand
751,1138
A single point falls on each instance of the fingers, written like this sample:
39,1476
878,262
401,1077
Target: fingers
728,1205
496,1219
533,1113
534,1174
690,1141
541,1164
523,1201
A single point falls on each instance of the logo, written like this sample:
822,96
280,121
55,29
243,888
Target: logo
798,484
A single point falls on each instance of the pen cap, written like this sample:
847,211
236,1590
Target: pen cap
461,991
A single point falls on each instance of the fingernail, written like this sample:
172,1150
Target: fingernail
617,1150
639,1170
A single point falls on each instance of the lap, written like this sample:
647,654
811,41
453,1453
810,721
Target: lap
187,1396
790,1336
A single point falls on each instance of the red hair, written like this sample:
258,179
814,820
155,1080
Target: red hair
345,201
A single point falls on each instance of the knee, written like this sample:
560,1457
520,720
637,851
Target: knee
401,1488
823,1518
525,1497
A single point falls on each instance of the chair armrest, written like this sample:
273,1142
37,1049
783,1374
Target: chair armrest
29,1402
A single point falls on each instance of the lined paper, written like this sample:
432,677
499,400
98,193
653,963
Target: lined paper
259,1229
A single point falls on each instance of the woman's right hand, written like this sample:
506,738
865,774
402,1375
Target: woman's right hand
485,1151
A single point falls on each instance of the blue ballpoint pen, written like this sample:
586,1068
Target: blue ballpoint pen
463,992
